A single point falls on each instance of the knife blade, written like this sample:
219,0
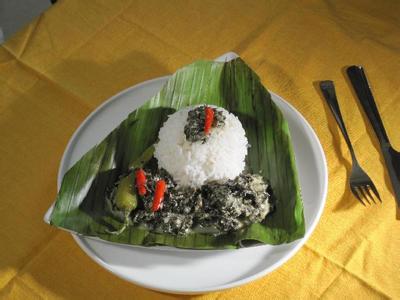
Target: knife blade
366,99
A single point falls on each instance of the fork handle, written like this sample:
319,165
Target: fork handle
328,90
364,94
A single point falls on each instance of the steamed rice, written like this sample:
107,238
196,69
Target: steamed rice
220,158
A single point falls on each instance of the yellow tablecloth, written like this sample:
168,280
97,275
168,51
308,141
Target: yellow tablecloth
79,53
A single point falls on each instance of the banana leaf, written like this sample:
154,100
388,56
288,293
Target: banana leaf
81,206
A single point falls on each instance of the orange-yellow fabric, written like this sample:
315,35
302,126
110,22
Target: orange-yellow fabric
77,54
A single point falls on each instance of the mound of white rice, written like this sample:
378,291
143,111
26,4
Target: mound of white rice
220,158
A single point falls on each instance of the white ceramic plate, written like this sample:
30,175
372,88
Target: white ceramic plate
196,271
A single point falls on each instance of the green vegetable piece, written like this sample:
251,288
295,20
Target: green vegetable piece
143,159
125,200
125,197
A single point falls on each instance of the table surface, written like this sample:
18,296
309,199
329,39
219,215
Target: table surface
77,54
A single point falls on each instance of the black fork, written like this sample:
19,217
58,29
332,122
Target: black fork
360,183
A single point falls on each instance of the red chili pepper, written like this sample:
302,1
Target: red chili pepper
140,181
208,120
158,195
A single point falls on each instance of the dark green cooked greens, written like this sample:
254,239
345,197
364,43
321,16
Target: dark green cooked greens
194,128
216,208
81,204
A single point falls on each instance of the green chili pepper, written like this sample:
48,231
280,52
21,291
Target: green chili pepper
125,200
125,197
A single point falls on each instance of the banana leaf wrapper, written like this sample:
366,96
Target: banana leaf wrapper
81,205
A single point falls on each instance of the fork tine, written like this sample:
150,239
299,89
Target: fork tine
354,191
375,191
366,188
359,188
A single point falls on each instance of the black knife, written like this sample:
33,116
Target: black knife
392,157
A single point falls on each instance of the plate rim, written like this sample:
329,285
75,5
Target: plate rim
300,243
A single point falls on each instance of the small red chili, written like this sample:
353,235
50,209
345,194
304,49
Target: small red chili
140,181
158,195
208,120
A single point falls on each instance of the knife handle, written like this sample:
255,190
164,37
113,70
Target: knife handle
364,94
